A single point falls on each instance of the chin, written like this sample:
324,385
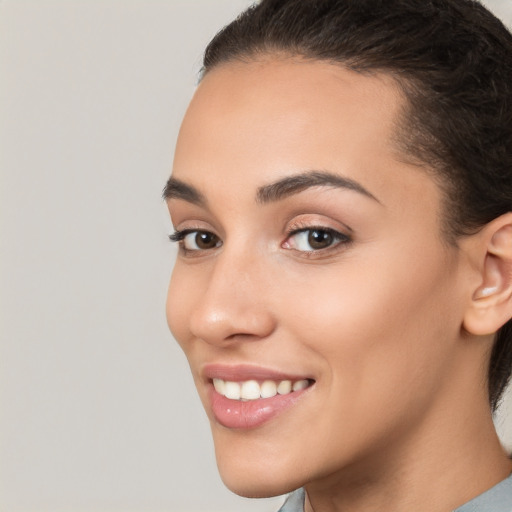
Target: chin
256,486
254,473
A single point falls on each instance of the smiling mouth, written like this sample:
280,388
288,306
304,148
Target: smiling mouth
257,390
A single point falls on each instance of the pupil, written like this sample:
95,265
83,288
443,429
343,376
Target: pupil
206,240
319,239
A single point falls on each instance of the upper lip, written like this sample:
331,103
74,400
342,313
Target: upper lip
243,372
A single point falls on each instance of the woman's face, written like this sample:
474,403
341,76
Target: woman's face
310,253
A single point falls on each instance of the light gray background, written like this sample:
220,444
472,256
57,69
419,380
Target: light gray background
98,412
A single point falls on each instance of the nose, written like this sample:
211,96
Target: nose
236,304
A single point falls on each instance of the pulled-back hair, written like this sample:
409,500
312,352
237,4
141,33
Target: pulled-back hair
453,61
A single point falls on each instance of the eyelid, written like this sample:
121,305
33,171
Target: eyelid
332,231
307,221
180,236
301,226
317,227
183,228
341,237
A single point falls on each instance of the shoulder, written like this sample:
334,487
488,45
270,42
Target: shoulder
496,499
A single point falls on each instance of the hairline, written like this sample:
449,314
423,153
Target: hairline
407,87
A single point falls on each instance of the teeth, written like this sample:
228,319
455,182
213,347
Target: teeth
219,386
232,390
300,384
252,390
284,387
268,389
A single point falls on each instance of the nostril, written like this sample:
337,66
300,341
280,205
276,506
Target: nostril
243,336
220,322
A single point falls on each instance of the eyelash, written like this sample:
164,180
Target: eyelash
337,240
180,235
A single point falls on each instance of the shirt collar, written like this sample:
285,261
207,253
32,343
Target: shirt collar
496,499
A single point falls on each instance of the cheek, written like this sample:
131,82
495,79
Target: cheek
181,297
379,326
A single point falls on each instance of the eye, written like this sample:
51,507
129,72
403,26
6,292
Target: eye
314,239
196,240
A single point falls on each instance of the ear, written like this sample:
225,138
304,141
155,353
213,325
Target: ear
491,302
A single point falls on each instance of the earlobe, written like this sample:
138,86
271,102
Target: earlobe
491,302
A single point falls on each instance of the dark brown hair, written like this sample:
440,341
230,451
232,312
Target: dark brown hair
453,61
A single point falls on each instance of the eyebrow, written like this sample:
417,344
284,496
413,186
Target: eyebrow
290,185
177,189
280,189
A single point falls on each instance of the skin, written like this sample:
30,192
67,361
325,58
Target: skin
376,319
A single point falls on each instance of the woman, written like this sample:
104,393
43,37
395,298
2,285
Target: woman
342,199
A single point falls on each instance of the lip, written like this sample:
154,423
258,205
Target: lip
242,372
238,414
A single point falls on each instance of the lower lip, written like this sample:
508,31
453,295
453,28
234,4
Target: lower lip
251,413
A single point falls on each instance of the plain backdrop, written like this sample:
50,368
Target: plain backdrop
98,411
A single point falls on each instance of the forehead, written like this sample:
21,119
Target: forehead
250,123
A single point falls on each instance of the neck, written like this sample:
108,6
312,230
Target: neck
446,461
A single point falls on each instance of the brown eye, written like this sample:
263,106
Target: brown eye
319,239
315,239
200,241
205,240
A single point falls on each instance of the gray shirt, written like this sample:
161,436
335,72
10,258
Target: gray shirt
496,499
